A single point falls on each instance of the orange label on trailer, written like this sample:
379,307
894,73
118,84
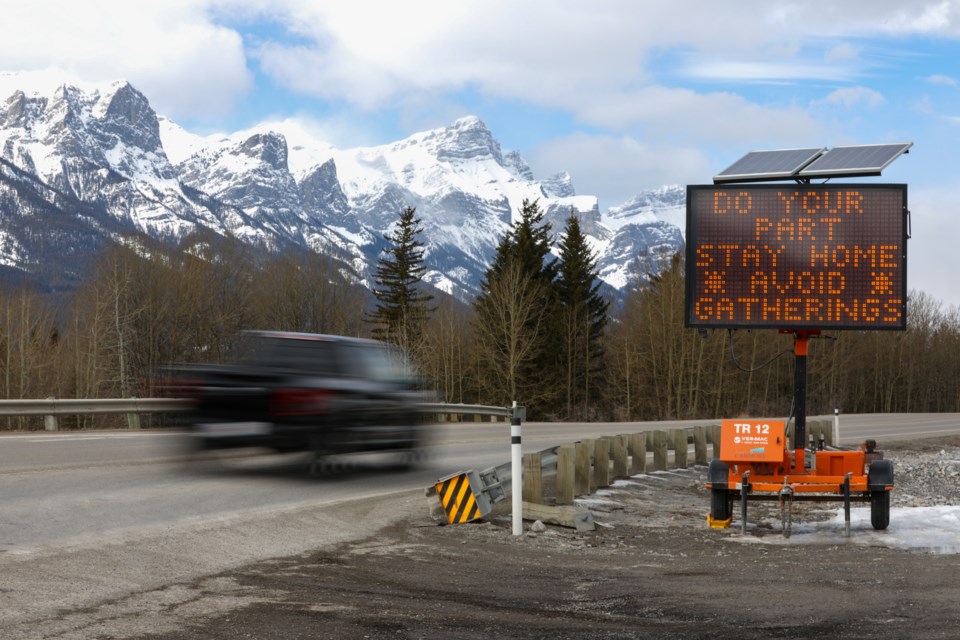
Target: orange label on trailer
747,440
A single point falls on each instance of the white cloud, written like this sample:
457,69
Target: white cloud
932,17
876,17
768,71
933,243
852,97
942,80
497,47
188,56
683,114
842,52
169,50
373,52
619,167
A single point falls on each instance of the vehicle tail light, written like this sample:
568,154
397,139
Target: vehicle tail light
299,402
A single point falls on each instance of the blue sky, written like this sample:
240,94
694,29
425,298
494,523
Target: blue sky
624,95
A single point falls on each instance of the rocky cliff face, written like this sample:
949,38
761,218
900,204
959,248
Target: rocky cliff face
80,167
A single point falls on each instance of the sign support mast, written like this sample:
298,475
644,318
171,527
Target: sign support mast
801,341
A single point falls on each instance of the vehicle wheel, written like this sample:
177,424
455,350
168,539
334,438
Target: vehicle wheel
409,459
880,509
720,506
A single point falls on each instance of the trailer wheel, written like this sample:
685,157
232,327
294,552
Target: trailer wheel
720,505
880,509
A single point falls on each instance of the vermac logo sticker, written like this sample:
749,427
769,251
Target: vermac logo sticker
752,440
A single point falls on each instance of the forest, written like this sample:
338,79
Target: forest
539,332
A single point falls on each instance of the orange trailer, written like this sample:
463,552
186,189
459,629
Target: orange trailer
757,463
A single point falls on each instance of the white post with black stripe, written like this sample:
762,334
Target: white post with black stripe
516,465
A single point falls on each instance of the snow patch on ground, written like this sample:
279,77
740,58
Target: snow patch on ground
934,530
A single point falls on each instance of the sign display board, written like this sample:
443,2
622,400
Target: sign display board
747,440
796,256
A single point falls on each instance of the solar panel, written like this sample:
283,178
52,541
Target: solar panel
860,160
780,164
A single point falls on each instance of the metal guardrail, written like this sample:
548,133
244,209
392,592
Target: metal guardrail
468,409
51,408
77,406
68,406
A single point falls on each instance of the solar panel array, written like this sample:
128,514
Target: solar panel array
798,164
778,164
867,159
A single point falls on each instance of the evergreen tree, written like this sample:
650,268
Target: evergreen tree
514,314
401,304
583,317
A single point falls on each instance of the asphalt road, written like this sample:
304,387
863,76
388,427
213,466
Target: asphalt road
93,516
65,488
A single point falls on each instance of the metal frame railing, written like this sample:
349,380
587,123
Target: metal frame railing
53,408
68,406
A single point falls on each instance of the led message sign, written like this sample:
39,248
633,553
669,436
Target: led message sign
797,256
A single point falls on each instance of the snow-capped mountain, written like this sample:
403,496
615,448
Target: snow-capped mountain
81,165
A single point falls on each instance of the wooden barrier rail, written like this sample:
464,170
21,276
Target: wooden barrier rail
590,464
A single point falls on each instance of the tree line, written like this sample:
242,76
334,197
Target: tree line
540,332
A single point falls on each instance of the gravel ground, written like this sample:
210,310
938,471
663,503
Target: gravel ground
927,475
652,569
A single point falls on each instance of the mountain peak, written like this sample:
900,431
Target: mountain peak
515,162
270,148
468,122
467,138
559,185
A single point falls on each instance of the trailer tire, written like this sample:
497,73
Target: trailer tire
880,509
720,504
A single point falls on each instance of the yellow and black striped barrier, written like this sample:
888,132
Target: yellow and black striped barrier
460,496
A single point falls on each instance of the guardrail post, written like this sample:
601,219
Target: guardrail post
700,446
50,421
565,473
133,419
715,440
836,426
582,479
679,439
532,478
601,462
659,450
620,456
638,453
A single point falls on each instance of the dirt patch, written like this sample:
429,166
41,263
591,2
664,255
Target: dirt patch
652,569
